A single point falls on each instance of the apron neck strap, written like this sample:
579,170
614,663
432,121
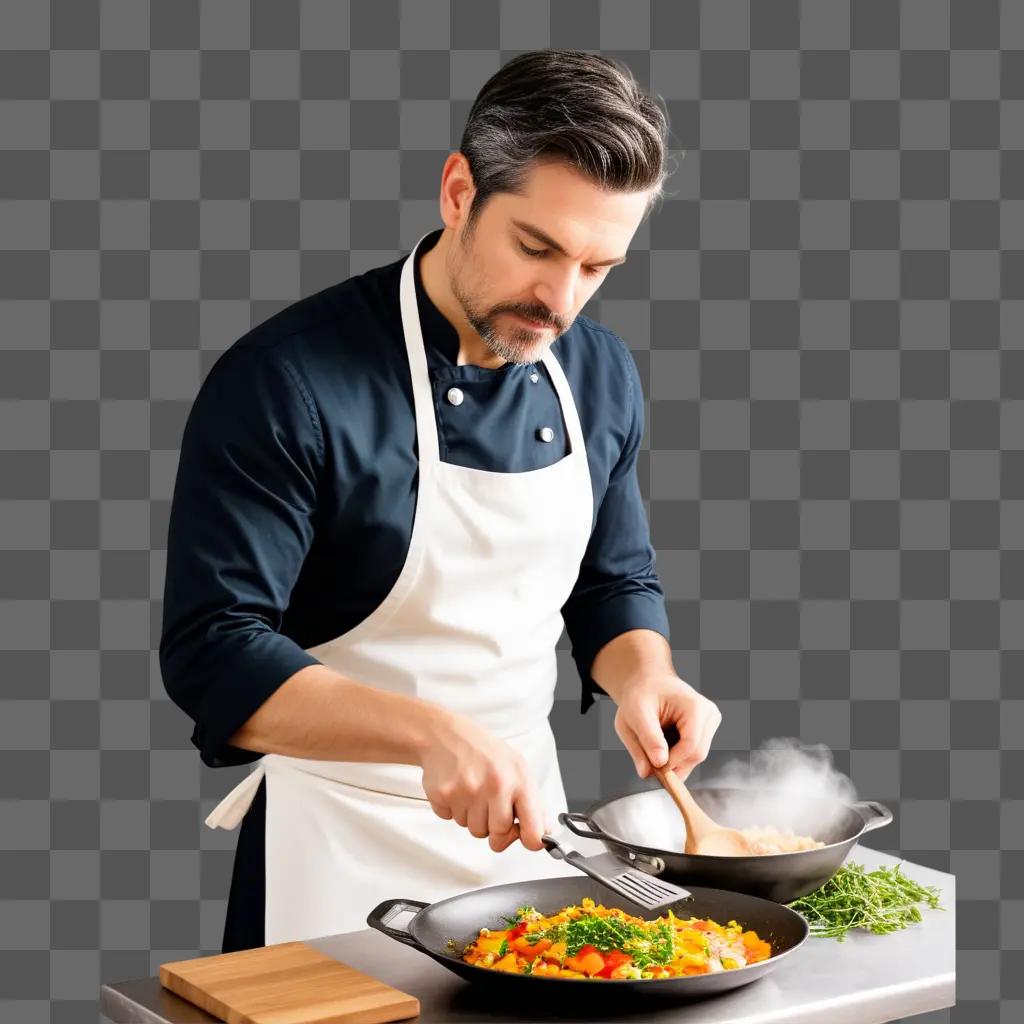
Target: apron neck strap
426,425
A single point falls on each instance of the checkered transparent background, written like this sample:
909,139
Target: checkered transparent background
827,315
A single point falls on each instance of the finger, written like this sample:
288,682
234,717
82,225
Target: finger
711,724
500,843
460,814
684,751
530,815
652,739
695,739
701,750
634,748
500,817
441,810
681,754
476,821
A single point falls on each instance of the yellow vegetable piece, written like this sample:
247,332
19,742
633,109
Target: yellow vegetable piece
489,944
506,963
528,951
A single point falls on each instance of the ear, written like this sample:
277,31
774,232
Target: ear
457,190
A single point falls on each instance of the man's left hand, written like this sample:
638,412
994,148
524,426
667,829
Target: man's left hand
652,703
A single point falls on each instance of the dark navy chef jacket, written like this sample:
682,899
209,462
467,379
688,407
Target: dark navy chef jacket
296,491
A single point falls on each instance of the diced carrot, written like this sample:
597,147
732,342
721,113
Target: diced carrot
591,963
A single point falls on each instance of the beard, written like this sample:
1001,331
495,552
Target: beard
516,345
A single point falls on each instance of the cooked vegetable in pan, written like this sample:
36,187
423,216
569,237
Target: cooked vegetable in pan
592,941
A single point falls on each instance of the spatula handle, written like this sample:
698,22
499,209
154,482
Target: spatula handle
560,851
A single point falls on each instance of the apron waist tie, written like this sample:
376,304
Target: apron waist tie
231,810
402,780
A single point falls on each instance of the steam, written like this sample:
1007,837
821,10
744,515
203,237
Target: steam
784,785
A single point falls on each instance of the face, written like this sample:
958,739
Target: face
531,262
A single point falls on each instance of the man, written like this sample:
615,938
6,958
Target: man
390,497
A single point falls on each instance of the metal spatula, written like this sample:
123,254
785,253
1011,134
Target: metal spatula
637,886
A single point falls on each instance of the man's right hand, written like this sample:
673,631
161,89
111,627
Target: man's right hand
477,780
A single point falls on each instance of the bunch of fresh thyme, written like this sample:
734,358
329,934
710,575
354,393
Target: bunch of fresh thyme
879,901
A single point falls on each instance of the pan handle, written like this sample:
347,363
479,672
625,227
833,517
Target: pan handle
571,820
382,913
875,815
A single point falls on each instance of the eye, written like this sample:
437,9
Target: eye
536,253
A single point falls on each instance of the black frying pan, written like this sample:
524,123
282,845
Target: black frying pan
647,828
460,918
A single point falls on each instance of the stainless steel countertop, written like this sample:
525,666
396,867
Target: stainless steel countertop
865,980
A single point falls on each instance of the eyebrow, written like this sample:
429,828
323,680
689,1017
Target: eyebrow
552,244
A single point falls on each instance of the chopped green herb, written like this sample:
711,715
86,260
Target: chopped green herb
879,901
503,948
518,916
647,946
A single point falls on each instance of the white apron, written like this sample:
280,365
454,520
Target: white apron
471,624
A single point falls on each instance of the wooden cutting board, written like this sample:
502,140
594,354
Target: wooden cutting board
288,983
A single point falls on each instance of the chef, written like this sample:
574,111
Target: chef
391,497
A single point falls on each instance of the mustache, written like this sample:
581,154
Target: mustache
544,319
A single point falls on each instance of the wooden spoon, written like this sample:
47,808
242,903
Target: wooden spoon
703,835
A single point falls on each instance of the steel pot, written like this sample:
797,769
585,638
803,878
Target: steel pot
646,829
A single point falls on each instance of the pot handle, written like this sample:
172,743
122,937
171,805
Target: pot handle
875,815
572,819
384,912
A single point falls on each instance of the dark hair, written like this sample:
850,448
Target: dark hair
583,108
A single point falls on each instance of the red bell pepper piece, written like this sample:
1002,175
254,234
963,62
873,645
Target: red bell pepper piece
616,958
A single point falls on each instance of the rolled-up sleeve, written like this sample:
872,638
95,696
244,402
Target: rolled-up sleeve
241,525
618,588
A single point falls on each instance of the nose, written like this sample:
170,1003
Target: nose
557,292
